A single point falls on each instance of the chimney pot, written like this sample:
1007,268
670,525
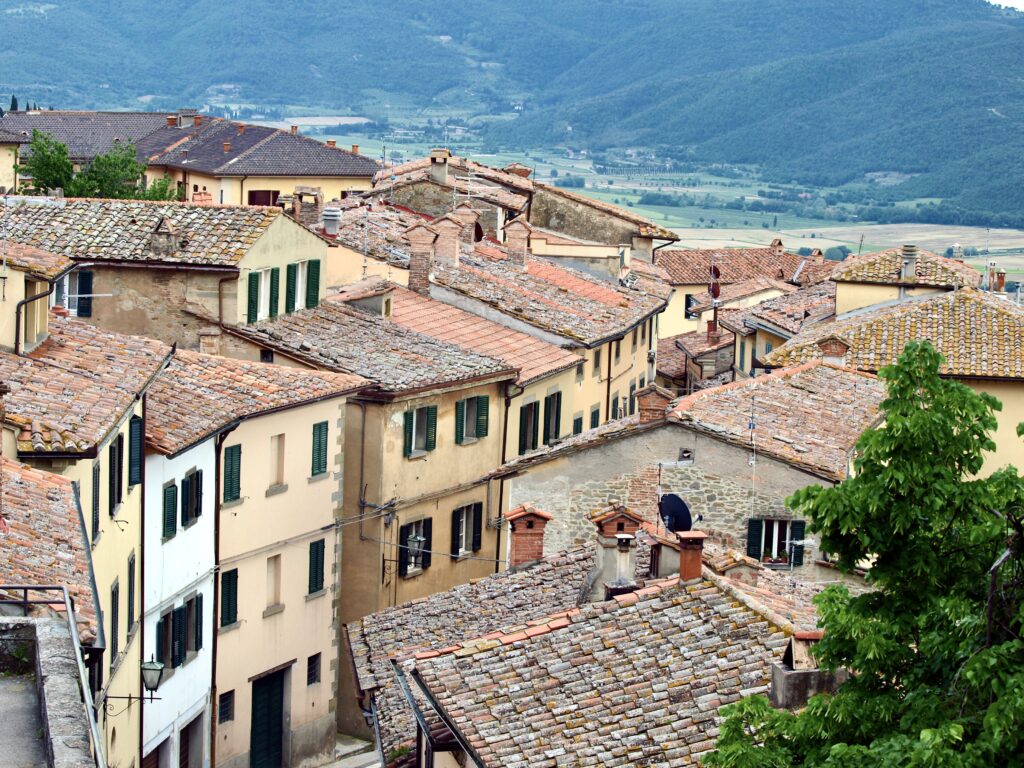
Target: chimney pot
241,128
355,149
227,147
652,402
198,120
332,143
909,257
691,550
172,121
295,130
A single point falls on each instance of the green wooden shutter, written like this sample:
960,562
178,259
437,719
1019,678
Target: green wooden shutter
407,439
431,443
558,416
403,549
254,297
186,501
632,399
478,526
275,290
316,566
161,627
130,613
115,596
522,429
595,418
428,545
577,425
198,640
483,407
549,406
796,533
319,448
179,629
84,294
112,478
536,425
456,533
312,283
95,500
232,473
755,529
460,421
291,271
197,489
229,597
170,511
136,442
119,481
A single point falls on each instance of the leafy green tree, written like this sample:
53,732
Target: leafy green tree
161,189
936,646
14,103
115,174
49,167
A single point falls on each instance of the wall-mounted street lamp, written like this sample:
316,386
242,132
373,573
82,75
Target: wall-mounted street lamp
152,673
415,544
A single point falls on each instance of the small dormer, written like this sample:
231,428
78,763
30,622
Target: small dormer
439,165
778,249
162,238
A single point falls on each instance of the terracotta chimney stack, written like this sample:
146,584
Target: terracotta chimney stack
449,231
526,534
908,255
652,402
332,143
355,149
712,331
421,256
777,247
517,240
241,128
198,120
172,121
833,350
295,130
691,551
227,147
469,216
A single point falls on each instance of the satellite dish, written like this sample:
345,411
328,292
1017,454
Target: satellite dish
674,513
715,272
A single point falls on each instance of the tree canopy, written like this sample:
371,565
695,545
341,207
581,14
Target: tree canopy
935,647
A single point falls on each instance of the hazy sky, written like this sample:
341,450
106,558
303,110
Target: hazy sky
1014,3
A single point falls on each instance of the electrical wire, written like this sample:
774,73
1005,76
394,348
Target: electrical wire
436,551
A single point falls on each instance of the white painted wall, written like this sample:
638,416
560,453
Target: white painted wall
175,570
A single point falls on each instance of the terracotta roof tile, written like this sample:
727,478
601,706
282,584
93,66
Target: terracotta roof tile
197,395
36,261
697,343
978,333
885,267
692,267
671,359
786,314
744,289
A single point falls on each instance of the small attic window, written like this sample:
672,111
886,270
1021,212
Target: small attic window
620,527
529,523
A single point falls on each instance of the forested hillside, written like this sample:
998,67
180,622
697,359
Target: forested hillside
822,91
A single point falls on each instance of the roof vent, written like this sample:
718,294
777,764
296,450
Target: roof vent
909,267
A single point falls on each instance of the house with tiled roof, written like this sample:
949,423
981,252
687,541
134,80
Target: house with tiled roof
979,334
29,277
707,358
239,164
174,271
243,462
76,407
690,273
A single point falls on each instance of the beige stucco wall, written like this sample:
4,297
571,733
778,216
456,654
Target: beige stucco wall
230,190
13,292
258,527
345,266
565,382
539,246
851,296
746,301
8,160
673,319
1009,448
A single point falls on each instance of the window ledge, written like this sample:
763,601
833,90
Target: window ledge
413,572
276,489
229,627
315,595
190,523
232,503
318,478
469,440
414,455
273,610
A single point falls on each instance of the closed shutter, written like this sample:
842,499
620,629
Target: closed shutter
522,428
456,533
135,450
254,297
319,448
197,492
198,640
483,408
130,605
275,290
232,473
115,597
178,635
755,530
549,406
316,566
557,426
112,478
428,545
431,442
161,627
170,511
478,526
186,501
595,418
407,433
289,287
536,426
95,500
119,480
615,407
577,425
632,399
85,294
229,597
403,549
460,421
796,533
312,283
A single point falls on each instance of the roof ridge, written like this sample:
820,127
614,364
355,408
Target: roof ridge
245,153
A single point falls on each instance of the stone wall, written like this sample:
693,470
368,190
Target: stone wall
435,200
550,210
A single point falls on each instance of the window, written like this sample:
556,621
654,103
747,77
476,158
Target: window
74,292
577,423
767,347
633,345
313,669
467,529
529,427
618,350
233,473
263,294
420,430
273,581
414,543
170,511
136,441
597,364
552,417
194,624
632,398
95,500
115,596
770,540
130,606
471,418
165,639
579,373
115,471
191,497
615,406
266,356
643,382
179,635
743,352
643,333
276,460
229,597
691,301
226,707
595,416
316,566
319,463
296,282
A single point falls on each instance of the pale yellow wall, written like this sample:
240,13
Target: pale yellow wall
754,344
673,319
746,301
539,246
851,296
13,292
8,159
345,266
565,382
236,190
1009,448
261,526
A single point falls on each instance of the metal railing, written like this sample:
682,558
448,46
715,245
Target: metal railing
7,598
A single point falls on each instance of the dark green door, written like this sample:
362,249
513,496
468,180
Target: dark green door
267,721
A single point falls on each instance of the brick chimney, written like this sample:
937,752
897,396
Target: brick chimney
526,534
241,128
227,147
197,120
355,149
712,331
517,240
617,529
295,130
449,231
421,256
469,216
833,350
652,402
691,553
172,121
908,257
817,256
777,248
332,143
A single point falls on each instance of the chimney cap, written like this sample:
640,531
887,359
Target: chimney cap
525,510
692,535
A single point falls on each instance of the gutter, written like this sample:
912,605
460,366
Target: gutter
449,724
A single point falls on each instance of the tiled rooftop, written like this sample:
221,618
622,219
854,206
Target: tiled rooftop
633,681
35,261
548,296
671,359
693,267
339,338
533,357
378,231
744,289
645,227
86,134
788,313
810,416
978,333
460,166
697,343
446,618
197,395
885,267
75,387
119,230
488,193
41,538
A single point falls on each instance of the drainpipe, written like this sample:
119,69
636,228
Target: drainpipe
142,576
608,387
509,389
29,299
218,445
